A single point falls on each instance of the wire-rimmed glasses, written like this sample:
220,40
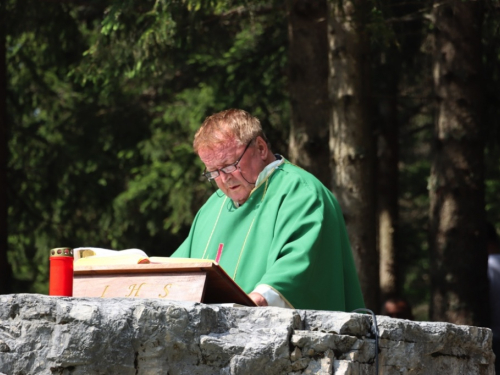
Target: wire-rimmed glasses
227,169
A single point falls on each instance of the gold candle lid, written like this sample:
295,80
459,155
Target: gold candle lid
61,252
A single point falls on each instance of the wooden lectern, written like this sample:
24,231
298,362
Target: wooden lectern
203,281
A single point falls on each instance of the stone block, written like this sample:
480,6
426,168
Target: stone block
62,335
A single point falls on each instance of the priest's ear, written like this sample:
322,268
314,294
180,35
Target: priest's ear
262,148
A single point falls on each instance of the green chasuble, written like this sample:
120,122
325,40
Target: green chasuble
289,234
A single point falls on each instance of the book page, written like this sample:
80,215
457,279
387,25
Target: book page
84,252
112,260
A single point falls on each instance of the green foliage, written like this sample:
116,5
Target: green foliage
170,180
105,99
381,32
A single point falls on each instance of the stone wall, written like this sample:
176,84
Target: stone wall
56,335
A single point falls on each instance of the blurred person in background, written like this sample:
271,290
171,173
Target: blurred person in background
493,246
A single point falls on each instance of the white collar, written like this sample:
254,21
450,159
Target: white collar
266,173
268,170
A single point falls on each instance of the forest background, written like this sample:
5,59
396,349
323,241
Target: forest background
393,104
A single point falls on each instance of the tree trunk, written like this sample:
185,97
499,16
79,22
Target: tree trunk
456,186
4,265
308,86
387,175
351,137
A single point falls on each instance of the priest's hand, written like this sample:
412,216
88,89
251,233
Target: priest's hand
258,299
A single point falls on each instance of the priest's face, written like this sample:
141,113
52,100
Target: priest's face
238,184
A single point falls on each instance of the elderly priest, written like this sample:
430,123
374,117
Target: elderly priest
273,227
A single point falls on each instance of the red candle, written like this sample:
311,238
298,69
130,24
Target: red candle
61,272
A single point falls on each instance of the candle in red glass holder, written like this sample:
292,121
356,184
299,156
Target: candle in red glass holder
61,272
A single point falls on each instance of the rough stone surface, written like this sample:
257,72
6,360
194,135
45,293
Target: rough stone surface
57,335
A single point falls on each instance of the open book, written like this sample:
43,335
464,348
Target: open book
93,256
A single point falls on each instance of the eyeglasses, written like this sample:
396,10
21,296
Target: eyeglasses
227,169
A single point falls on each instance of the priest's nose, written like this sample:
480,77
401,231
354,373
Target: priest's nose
225,177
